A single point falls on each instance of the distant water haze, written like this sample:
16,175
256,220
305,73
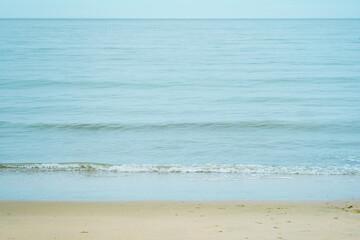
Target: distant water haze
191,102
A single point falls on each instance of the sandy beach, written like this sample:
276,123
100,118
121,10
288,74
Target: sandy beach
180,220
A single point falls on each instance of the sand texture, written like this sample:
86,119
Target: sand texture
261,220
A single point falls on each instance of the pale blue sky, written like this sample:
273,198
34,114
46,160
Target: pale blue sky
180,8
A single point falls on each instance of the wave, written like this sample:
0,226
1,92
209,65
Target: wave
181,169
185,125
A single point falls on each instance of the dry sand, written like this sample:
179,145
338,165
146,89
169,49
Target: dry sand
261,220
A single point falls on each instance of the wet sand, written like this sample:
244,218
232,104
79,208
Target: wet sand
238,220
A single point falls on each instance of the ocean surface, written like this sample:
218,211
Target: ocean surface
120,109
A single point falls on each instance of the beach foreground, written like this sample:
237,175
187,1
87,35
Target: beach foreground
180,220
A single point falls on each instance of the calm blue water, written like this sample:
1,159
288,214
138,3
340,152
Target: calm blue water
179,109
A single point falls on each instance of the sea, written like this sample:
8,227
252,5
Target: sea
179,109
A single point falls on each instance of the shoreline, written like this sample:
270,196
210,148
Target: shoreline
238,219
169,187
250,201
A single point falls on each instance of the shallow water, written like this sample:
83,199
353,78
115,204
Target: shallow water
167,101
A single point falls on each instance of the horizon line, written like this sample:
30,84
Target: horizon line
180,18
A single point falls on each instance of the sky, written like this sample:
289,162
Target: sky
179,8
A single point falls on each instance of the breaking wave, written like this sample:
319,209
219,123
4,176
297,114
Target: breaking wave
180,169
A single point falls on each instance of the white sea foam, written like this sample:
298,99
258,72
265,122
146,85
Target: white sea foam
181,169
